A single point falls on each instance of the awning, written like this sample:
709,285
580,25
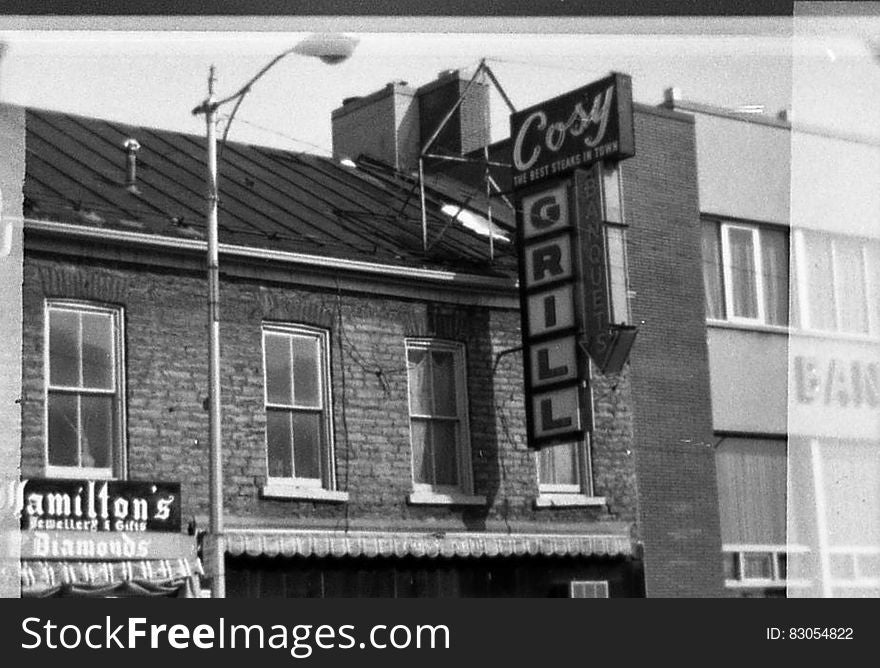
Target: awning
289,543
153,577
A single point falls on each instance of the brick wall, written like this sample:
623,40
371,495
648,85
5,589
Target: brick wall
167,425
678,507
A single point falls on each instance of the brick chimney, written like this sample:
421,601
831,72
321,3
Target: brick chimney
393,124
383,125
468,128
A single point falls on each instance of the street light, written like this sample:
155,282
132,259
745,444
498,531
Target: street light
330,49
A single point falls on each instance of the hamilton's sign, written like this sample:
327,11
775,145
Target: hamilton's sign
573,130
97,505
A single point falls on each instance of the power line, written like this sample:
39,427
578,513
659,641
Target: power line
291,138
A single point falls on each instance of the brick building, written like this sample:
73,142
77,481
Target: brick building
373,411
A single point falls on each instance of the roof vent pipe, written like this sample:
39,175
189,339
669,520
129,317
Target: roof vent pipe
131,146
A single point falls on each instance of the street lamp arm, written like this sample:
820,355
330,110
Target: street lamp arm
244,90
212,105
328,48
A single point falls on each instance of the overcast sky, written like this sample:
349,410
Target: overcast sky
153,72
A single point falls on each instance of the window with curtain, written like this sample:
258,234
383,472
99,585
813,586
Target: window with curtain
298,427
740,244
840,283
752,477
713,278
83,390
438,416
561,468
746,272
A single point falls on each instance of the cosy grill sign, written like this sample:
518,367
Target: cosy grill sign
573,131
96,505
556,303
557,149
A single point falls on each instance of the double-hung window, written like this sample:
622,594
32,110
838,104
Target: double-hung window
839,283
438,417
84,397
298,408
745,272
561,468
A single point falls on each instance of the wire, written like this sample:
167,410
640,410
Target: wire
558,68
328,151
344,414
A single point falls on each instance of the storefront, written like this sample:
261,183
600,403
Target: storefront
325,564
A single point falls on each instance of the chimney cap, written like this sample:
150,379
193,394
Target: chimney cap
672,95
131,144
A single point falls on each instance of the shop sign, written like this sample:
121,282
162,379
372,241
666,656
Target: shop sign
839,382
106,546
98,505
556,369
572,131
834,388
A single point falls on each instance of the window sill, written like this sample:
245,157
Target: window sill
749,326
451,499
274,490
78,473
568,501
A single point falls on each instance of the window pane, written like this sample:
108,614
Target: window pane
712,274
774,260
757,566
97,350
419,389
611,191
277,369
742,272
420,447
617,274
820,282
63,348
306,391
278,439
444,450
443,373
63,425
849,290
558,464
97,431
751,478
307,445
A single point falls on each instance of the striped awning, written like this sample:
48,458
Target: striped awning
107,578
289,543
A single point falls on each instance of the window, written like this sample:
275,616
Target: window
745,272
839,283
438,417
84,390
615,238
753,504
615,242
298,420
559,468
565,477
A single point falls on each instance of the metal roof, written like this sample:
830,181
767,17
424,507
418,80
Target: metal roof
269,198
